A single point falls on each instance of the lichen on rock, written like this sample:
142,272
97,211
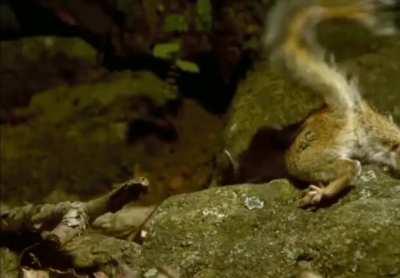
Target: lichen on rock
213,234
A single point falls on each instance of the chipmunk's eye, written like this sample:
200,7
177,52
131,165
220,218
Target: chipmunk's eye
396,148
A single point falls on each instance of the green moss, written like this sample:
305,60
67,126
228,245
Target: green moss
9,263
66,103
36,48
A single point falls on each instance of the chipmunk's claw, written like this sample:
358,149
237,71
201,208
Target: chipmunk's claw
312,197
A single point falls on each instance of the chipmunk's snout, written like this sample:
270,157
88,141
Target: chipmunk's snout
396,154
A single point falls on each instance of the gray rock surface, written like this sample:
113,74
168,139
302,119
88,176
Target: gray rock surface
257,231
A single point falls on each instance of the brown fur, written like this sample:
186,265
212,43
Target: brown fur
334,141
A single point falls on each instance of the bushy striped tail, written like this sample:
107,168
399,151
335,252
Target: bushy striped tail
290,37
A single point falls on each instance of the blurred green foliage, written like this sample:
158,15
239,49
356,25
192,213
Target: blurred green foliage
172,51
187,66
167,51
204,13
175,23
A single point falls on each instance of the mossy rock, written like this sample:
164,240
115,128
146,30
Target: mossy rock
9,263
66,103
258,231
108,256
37,48
378,74
31,65
76,138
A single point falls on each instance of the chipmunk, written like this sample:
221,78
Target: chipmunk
333,142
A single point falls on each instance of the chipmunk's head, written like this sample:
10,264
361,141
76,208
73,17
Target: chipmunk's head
395,146
384,142
392,154
396,155
388,156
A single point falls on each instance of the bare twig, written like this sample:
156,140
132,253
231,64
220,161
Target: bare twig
60,222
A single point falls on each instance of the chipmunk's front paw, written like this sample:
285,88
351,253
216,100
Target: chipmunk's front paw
312,197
